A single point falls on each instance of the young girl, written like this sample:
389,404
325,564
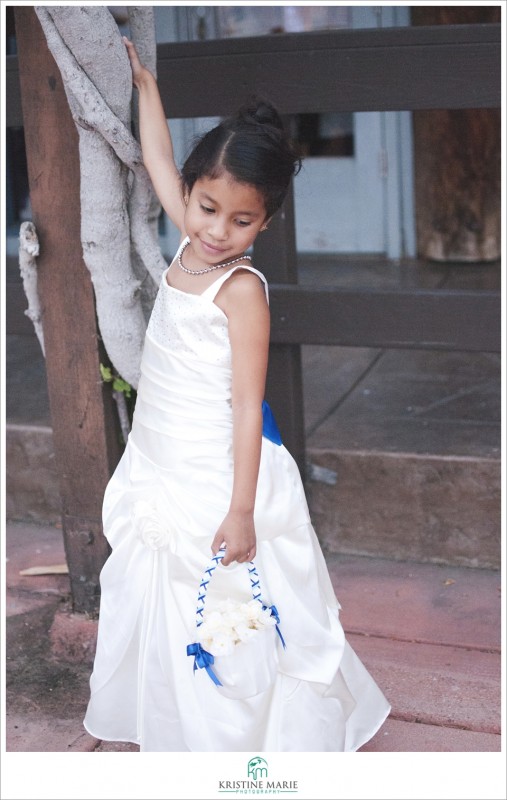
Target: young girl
204,470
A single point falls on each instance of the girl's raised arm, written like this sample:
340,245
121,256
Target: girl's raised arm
156,141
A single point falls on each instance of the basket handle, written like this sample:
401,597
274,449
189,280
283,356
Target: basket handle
253,575
255,585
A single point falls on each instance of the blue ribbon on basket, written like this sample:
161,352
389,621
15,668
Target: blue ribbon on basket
275,614
202,660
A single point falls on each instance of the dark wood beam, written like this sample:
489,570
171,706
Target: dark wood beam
275,253
345,70
386,69
437,319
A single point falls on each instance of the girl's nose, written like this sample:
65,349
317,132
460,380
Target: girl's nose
218,228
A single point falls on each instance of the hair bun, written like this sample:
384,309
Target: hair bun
251,146
260,112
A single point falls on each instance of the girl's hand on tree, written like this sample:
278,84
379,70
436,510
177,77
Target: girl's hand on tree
237,534
139,71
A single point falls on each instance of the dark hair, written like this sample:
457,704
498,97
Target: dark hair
252,146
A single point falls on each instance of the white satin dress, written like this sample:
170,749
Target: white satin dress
162,507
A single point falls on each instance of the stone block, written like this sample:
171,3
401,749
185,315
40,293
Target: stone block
32,491
441,509
449,687
73,638
397,736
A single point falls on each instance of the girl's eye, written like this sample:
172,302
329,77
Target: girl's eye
207,210
243,223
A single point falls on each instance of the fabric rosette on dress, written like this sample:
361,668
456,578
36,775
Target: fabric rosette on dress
151,523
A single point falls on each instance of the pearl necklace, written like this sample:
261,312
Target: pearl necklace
207,269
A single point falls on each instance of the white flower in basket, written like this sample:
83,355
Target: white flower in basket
236,641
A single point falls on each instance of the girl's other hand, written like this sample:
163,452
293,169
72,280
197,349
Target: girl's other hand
237,534
138,70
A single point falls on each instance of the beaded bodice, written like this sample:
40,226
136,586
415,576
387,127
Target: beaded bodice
193,325
190,325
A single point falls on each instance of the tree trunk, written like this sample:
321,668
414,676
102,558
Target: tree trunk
119,248
84,429
98,84
457,166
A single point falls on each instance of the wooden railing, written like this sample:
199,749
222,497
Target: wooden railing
354,70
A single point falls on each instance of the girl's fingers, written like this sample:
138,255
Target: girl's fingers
131,50
233,552
216,544
240,558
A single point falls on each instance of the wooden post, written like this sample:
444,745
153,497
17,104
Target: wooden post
457,156
84,425
275,255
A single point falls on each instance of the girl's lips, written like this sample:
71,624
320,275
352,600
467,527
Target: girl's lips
211,249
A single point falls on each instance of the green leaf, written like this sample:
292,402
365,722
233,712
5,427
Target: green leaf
106,373
119,385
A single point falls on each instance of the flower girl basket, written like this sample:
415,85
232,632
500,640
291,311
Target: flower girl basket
236,642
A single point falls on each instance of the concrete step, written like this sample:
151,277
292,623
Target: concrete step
393,505
429,634
439,509
403,447
435,684
420,603
405,737
32,491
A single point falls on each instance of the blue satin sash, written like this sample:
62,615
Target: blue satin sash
269,427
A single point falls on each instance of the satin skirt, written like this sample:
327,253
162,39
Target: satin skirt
161,510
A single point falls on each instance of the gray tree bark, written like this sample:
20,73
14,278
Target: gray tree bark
117,202
144,207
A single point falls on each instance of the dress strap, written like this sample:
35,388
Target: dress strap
211,292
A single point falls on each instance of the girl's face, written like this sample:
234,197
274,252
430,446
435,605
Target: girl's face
222,218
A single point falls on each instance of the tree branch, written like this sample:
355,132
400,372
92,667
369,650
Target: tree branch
144,207
28,250
95,68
